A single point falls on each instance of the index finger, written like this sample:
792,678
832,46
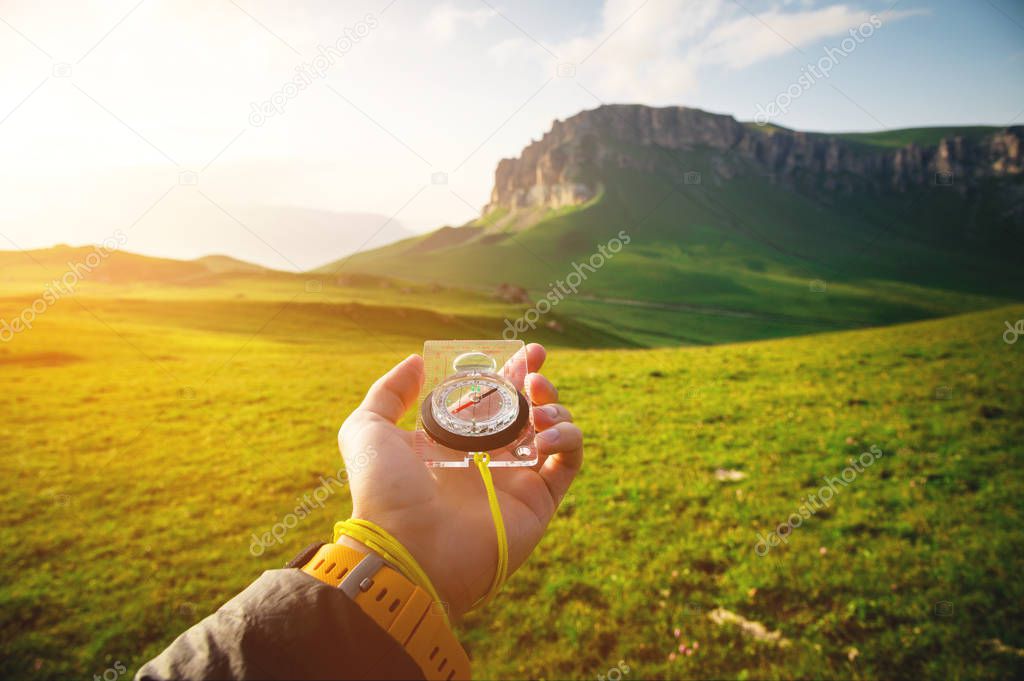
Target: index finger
515,369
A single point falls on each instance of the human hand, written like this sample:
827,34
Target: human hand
441,515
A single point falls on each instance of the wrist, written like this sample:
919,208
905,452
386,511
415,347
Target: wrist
406,549
443,601
345,540
401,607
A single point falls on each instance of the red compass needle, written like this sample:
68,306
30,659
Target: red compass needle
459,408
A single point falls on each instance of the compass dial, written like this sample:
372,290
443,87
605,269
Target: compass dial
475,409
475,405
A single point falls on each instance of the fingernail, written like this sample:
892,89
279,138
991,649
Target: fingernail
549,436
549,410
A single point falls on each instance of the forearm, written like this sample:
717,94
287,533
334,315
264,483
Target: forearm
286,625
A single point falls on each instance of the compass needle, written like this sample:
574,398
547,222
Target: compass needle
474,400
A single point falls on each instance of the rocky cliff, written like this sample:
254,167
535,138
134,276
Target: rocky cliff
564,166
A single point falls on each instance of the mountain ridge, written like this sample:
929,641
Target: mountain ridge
552,171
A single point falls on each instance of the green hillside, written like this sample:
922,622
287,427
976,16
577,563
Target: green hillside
146,440
225,295
918,136
702,255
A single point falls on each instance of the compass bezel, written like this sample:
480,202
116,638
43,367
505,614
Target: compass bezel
474,443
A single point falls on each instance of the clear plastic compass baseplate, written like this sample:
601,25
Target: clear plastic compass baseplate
472,402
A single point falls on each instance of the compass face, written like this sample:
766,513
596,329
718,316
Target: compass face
475,405
475,409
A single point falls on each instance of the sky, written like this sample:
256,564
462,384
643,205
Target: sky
178,122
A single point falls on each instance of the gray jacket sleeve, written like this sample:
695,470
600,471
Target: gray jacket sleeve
285,625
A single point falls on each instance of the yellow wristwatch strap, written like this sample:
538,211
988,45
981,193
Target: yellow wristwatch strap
401,608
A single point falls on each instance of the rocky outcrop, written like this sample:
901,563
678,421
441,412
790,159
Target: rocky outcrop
564,166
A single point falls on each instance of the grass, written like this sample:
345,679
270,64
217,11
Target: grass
148,432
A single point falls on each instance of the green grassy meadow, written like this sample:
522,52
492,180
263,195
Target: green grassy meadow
149,430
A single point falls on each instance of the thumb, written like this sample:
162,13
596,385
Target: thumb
395,392
378,456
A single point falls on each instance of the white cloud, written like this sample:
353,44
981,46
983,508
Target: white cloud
504,51
654,52
749,39
444,21
637,54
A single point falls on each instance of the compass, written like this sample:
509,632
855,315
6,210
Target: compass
474,409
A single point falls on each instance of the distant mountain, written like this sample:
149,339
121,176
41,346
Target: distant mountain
283,237
33,268
308,237
224,263
740,231
192,222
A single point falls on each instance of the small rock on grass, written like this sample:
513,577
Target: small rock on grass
754,630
